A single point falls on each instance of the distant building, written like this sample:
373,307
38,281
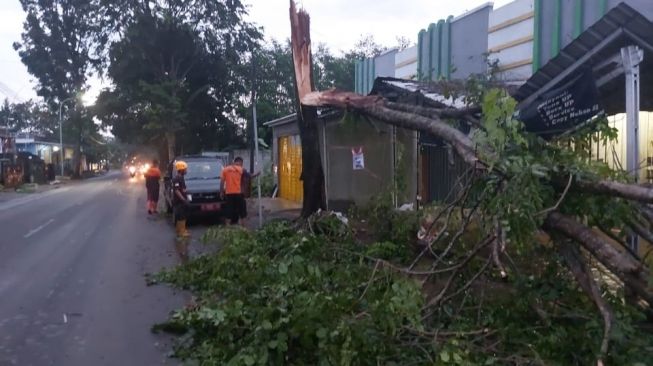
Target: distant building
48,151
520,37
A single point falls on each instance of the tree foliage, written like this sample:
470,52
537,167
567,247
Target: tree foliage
321,296
177,73
58,49
31,117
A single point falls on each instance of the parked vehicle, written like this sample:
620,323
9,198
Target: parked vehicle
202,185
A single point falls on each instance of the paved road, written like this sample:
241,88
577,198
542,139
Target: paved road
72,290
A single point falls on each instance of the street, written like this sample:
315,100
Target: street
72,286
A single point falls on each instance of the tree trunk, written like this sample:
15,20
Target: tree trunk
312,174
631,271
171,140
162,150
77,152
77,161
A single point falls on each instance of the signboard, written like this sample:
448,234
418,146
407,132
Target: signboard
563,108
358,158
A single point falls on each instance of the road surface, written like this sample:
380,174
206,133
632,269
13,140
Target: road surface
72,288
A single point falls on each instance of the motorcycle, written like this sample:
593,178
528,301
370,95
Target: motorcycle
132,171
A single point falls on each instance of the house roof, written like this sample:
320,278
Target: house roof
291,118
438,94
325,114
596,48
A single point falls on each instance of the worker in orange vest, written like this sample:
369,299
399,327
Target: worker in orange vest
152,178
231,189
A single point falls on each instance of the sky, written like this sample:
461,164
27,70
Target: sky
336,23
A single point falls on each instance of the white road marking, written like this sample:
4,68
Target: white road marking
32,232
65,318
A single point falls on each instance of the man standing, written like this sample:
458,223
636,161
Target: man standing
152,177
179,200
231,190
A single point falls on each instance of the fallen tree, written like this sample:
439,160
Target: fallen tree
562,192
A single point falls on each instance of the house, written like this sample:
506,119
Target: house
360,158
363,158
48,151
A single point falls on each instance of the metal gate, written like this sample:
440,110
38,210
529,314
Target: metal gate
290,168
442,175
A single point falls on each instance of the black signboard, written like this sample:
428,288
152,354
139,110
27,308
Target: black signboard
563,108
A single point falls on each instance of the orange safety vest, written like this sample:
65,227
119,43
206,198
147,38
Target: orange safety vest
232,176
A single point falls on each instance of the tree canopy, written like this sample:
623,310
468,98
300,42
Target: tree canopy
58,49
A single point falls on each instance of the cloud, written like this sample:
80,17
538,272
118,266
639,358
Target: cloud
340,23
336,23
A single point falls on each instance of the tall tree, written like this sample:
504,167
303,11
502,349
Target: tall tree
58,49
177,72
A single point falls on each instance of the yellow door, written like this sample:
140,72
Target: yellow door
290,168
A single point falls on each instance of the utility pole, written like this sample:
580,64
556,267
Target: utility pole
61,155
257,154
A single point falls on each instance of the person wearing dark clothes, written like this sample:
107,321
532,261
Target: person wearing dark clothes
179,200
152,177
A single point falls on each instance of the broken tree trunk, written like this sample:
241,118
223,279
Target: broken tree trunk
312,174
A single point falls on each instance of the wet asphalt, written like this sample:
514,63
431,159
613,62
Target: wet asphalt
72,285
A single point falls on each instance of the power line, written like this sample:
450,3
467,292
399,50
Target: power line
9,93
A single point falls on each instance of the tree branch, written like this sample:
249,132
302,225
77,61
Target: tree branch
617,189
629,270
375,106
581,272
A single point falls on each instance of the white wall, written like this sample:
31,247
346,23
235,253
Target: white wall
510,40
406,63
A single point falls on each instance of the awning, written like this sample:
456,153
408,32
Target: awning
596,49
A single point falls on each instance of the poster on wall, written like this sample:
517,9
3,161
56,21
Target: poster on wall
358,158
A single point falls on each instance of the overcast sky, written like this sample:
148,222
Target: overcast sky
337,23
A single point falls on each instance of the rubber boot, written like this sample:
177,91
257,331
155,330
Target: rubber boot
181,229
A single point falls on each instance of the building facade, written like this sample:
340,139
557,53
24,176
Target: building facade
516,39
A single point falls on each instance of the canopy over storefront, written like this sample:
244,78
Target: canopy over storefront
599,49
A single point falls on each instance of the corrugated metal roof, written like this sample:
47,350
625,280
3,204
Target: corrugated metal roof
621,26
436,94
291,118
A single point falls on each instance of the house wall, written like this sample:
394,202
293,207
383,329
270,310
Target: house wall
510,40
346,186
455,47
406,63
469,43
266,158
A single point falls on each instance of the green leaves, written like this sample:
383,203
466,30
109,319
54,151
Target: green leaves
284,297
